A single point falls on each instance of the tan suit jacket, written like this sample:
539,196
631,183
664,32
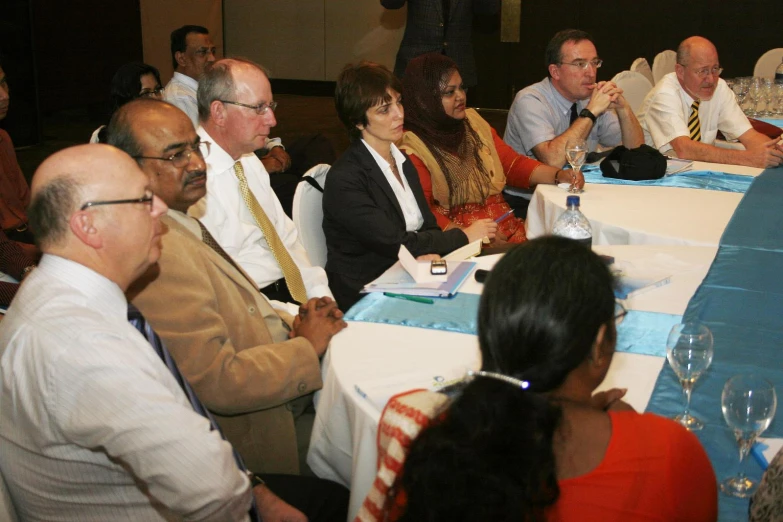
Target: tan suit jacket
230,345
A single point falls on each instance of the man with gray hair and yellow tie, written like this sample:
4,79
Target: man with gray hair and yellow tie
237,112
687,108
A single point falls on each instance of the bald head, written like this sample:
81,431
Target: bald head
695,47
66,180
218,83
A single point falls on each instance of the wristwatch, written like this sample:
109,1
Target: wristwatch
255,480
587,114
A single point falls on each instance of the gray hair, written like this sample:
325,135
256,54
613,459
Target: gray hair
217,83
50,210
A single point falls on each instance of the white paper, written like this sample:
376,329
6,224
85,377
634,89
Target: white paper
419,270
470,250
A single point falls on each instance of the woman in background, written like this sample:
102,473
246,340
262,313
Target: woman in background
132,80
373,202
527,439
463,164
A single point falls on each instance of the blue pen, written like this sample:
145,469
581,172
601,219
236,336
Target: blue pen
504,216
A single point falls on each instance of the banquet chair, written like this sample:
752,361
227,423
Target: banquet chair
641,66
497,118
769,61
635,87
7,511
663,64
308,214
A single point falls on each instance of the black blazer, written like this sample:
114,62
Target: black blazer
364,224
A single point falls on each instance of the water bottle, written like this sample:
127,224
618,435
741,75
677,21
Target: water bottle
573,224
779,74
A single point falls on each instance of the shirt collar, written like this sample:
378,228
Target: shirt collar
219,160
563,104
101,293
380,160
187,80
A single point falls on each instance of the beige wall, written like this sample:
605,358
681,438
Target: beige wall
312,39
159,18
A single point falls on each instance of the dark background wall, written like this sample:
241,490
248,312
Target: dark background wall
623,31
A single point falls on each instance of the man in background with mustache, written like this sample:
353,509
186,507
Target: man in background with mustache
245,362
687,108
570,104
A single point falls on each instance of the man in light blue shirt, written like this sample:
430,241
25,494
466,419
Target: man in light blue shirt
570,104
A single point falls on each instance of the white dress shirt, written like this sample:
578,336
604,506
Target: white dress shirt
667,108
406,199
181,91
226,216
93,426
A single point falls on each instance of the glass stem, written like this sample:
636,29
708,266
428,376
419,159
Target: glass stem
687,391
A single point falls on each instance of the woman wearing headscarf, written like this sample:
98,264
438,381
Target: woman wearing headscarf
462,163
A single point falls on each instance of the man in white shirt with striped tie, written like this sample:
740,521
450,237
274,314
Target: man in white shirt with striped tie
686,109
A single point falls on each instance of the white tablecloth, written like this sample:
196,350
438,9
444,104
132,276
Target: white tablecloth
637,215
367,363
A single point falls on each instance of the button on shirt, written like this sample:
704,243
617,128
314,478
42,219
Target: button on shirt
666,109
405,197
181,91
226,216
90,415
540,113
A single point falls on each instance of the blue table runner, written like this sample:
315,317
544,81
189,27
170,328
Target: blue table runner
697,179
741,300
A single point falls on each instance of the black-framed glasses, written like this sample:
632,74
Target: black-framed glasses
584,64
182,158
146,199
261,108
147,93
619,312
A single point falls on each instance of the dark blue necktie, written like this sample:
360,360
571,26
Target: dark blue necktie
140,323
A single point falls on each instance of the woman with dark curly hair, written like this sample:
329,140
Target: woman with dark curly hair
462,162
527,439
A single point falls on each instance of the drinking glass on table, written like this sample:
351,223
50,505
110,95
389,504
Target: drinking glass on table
689,352
748,403
754,93
768,94
576,155
740,87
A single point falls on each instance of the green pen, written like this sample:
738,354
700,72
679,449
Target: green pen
413,298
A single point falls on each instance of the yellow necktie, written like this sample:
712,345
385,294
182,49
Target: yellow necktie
293,278
694,127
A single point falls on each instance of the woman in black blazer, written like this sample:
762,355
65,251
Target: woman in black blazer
373,201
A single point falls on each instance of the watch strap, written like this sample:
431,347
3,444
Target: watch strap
584,113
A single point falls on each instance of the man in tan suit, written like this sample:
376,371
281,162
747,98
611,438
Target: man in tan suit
245,362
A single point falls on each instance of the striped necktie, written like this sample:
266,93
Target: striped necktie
291,273
138,321
694,127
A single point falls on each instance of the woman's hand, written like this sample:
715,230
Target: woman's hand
611,400
480,229
428,257
577,179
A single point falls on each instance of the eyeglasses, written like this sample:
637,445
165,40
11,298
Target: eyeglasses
619,313
157,91
146,199
706,71
182,158
261,108
583,64
449,93
203,51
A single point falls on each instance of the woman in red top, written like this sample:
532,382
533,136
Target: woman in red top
463,164
527,439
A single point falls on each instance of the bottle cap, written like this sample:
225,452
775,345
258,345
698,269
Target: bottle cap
572,200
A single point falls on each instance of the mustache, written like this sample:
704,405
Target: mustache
193,175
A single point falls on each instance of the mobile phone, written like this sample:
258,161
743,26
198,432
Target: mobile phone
438,267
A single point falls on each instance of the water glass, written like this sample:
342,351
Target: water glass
576,155
689,352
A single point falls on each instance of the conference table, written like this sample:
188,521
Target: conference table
370,361
642,215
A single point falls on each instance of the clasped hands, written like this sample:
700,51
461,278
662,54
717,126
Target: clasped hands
318,321
606,95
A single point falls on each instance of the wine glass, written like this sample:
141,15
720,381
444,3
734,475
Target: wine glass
755,94
748,403
768,94
689,351
740,88
576,154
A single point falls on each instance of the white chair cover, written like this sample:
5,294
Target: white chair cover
769,61
635,87
641,66
308,215
7,511
663,64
